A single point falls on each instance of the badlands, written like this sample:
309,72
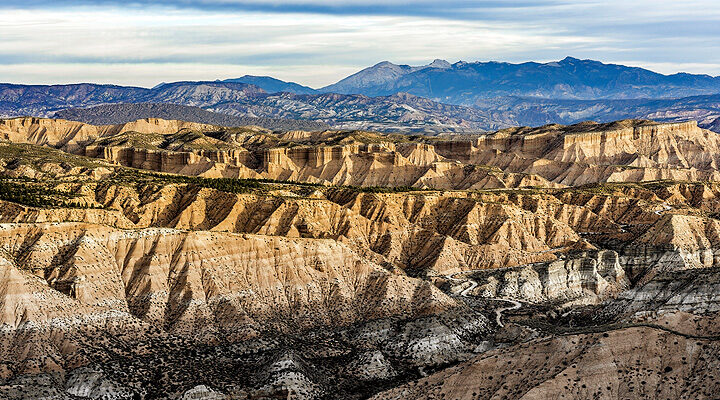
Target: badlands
167,259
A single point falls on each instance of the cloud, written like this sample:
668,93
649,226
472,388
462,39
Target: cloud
150,74
317,42
455,9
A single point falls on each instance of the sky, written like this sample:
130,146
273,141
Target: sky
317,42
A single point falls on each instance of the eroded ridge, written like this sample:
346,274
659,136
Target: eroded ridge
568,261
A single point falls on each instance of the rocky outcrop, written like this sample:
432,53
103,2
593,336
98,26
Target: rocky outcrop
203,285
421,233
695,292
72,136
588,153
371,366
93,384
662,342
550,156
675,242
202,392
313,284
585,278
96,265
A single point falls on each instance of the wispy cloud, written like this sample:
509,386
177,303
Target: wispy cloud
455,9
317,42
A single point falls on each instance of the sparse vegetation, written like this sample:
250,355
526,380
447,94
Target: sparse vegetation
399,248
15,154
122,113
384,189
149,141
33,193
231,185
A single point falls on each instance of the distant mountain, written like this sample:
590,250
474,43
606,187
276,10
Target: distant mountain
372,81
400,112
714,125
533,111
44,100
272,85
113,114
201,93
571,78
396,113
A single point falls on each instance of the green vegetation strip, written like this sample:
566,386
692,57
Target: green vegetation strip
239,185
32,193
231,185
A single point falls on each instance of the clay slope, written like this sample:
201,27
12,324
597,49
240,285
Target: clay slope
421,233
71,136
587,153
626,363
201,285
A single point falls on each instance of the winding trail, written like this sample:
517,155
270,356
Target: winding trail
498,312
473,284
665,209
466,291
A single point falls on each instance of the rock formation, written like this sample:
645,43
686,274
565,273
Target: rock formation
550,156
165,259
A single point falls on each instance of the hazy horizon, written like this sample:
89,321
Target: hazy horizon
211,79
317,42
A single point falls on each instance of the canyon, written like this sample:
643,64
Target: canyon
172,259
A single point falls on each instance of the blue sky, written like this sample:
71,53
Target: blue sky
317,42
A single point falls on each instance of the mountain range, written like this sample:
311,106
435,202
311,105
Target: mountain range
111,114
468,83
570,78
434,98
533,111
404,113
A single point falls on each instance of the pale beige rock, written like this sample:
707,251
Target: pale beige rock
550,156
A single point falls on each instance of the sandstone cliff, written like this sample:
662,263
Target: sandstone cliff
550,156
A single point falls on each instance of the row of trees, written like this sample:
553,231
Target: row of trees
232,185
238,185
30,194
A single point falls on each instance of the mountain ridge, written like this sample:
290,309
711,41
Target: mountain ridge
112,114
393,113
380,73
569,78
400,112
273,85
451,98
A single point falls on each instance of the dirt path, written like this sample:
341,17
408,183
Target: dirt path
473,284
498,312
